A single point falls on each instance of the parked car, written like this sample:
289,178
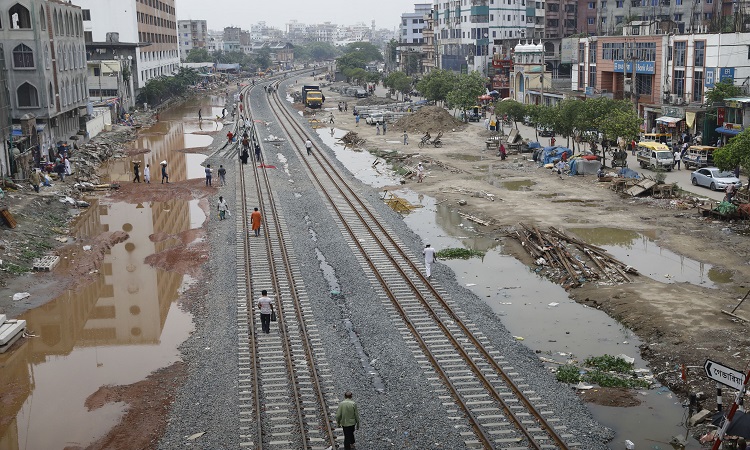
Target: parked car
546,132
714,178
375,118
361,93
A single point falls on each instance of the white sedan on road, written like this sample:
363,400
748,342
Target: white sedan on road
714,178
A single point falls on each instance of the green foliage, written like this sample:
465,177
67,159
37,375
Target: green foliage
398,81
365,51
392,50
315,51
161,88
198,55
29,254
721,90
609,363
350,61
569,373
602,373
262,58
459,253
735,153
466,90
514,110
15,269
436,85
620,121
357,75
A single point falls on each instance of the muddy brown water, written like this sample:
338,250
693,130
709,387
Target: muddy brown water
122,326
539,312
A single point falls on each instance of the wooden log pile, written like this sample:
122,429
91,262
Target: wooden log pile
570,261
352,139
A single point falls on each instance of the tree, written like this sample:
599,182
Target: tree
722,90
263,58
735,153
366,51
466,90
436,85
198,55
350,61
315,51
511,109
398,81
620,122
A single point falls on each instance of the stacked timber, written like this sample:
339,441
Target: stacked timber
570,261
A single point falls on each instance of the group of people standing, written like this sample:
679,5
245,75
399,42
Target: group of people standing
147,172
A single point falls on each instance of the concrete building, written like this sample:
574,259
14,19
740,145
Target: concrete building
111,66
192,34
215,41
410,39
45,58
469,32
667,76
144,21
530,83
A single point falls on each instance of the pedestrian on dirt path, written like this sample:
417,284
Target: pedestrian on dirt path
377,129
222,175
677,159
244,156
487,123
308,146
230,136
552,141
257,152
147,174
346,106
200,115
245,142
255,220
223,113
429,258
223,208
406,138
265,305
330,119
164,174
420,173
385,126
136,171
209,175
347,417
730,192
356,120
35,179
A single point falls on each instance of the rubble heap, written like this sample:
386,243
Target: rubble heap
432,119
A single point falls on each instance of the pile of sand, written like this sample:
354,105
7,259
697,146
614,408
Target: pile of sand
433,119
375,101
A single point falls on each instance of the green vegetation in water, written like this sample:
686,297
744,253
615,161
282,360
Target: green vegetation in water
608,371
459,253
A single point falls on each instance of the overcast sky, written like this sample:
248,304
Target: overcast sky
242,13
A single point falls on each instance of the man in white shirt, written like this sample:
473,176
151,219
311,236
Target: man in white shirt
265,304
429,258
308,146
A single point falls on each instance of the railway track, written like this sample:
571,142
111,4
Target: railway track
473,379
285,384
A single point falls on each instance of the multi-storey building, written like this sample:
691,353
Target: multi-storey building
468,32
44,53
144,21
666,76
215,41
191,34
411,41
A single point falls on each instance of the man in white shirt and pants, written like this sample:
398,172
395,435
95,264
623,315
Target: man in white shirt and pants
429,258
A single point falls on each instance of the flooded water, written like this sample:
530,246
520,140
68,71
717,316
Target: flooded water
535,310
171,139
114,331
640,251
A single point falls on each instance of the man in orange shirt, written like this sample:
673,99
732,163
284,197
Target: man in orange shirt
255,220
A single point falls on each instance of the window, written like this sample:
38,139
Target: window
592,53
618,20
592,76
86,14
592,5
88,36
20,18
700,52
679,54
619,3
643,83
591,20
697,86
708,16
23,57
678,17
27,96
679,83
678,2
42,18
581,53
604,4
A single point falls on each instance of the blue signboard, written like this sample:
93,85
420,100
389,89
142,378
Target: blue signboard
726,73
713,76
589,91
640,67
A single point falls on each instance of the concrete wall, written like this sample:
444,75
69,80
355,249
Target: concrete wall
99,122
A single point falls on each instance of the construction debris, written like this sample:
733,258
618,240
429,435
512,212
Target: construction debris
351,139
570,261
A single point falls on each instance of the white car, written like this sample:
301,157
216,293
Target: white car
375,118
714,178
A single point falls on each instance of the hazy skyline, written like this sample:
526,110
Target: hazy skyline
225,13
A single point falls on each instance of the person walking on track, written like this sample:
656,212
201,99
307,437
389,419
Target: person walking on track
209,175
223,208
429,258
255,220
257,152
137,171
308,146
164,174
147,174
265,305
222,175
347,417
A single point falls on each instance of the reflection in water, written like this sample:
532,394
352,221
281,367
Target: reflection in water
113,331
640,250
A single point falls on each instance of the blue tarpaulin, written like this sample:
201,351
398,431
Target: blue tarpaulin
554,154
533,145
580,166
729,131
628,173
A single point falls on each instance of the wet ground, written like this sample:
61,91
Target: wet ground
127,322
539,312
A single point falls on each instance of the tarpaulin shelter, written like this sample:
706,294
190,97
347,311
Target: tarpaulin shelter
554,154
580,166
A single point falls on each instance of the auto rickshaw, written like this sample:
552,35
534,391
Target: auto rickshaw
474,113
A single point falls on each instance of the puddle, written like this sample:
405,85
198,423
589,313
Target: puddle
641,251
329,274
194,167
360,163
518,185
115,330
522,301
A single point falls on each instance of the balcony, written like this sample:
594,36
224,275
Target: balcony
479,3
479,19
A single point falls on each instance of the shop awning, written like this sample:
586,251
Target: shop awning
669,121
728,131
